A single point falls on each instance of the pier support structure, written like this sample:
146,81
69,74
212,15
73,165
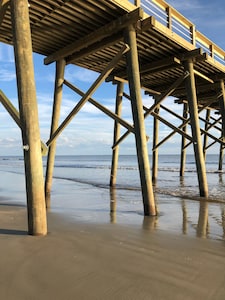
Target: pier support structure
222,108
196,134
37,223
183,141
115,152
205,140
139,124
59,78
155,152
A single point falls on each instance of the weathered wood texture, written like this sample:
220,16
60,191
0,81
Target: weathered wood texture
37,223
89,33
59,79
139,125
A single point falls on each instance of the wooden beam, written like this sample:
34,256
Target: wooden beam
157,66
91,90
101,33
115,79
3,8
160,64
106,42
203,76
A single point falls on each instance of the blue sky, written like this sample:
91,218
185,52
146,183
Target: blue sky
91,132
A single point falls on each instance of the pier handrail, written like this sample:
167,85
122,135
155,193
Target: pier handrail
177,23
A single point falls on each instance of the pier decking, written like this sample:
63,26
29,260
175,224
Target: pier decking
147,44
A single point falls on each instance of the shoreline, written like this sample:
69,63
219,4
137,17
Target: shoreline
90,253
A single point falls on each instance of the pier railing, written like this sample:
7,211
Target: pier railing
177,23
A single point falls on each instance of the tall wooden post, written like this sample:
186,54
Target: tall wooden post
37,223
205,141
59,78
115,154
222,109
183,141
197,142
139,125
155,152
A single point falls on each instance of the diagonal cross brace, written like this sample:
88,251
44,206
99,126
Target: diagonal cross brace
105,73
101,107
160,98
15,115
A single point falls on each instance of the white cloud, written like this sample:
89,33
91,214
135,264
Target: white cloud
6,53
7,74
73,73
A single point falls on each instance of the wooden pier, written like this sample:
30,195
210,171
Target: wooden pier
146,44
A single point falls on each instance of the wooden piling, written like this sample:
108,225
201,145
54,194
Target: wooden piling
205,139
155,152
115,153
183,141
139,125
222,108
197,142
37,223
59,78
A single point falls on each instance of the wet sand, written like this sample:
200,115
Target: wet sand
81,260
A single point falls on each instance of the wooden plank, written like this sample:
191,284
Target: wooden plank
3,8
97,35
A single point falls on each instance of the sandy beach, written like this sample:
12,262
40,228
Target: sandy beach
79,260
90,253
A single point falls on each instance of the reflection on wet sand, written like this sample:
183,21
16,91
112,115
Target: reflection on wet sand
201,225
113,202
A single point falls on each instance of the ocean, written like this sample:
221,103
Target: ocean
81,191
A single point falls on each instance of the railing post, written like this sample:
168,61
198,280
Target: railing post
169,17
193,35
137,3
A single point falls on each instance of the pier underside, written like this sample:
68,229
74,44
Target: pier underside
125,44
